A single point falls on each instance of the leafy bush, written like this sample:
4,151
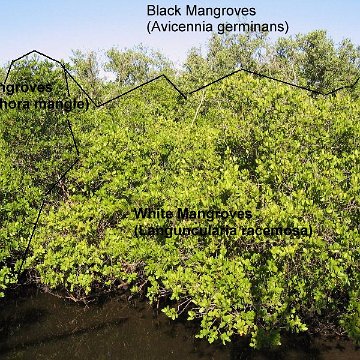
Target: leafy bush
290,159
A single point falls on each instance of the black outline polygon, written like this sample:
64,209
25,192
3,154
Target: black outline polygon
75,147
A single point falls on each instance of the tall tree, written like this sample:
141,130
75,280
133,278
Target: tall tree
87,69
314,60
137,65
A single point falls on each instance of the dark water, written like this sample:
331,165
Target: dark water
41,326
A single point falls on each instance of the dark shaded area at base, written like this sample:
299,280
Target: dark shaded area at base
35,325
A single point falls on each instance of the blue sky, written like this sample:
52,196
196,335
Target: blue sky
57,27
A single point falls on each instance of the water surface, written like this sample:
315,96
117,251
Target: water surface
36,325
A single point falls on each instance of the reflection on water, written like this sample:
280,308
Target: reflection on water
41,326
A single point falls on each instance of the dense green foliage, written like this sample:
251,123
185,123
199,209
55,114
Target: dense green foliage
242,144
35,149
